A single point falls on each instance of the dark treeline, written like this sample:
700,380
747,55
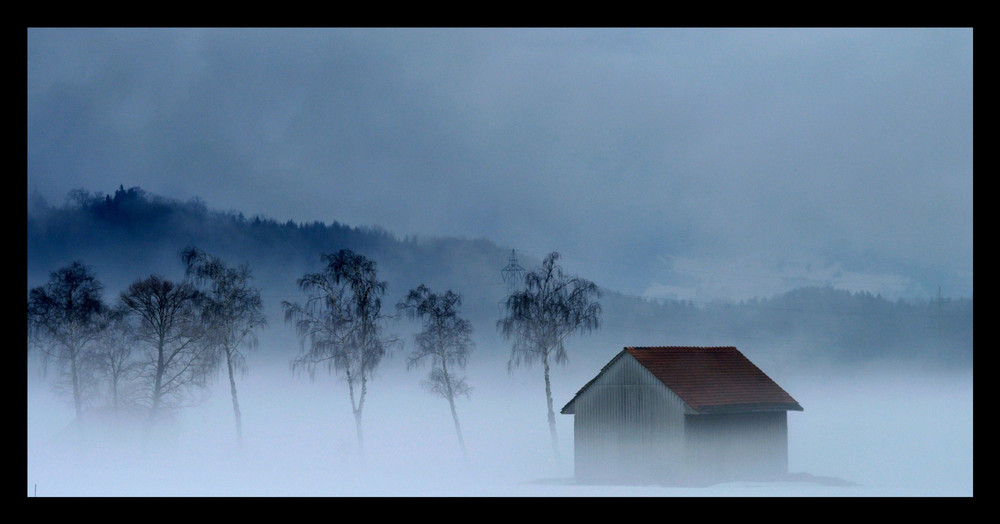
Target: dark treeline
819,325
131,233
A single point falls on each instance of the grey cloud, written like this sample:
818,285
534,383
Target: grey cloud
843,146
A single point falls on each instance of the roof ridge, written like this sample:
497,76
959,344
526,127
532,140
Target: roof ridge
680,347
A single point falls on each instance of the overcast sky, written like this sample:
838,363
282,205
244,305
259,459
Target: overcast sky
686,163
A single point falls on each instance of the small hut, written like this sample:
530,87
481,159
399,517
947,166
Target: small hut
680,415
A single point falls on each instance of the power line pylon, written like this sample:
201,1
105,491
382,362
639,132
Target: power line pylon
512,273
513,276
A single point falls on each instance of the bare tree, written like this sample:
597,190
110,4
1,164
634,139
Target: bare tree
114,357
176,363
446,340
232,311
343,324
65,316
539,318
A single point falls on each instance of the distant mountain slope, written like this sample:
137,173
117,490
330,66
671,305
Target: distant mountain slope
132,234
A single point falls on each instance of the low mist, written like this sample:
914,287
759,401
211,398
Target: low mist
868,431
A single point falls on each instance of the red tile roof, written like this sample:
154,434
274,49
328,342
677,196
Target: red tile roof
710,379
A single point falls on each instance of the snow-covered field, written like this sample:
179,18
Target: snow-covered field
883,433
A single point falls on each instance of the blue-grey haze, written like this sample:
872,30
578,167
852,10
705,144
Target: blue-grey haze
681,163
690,163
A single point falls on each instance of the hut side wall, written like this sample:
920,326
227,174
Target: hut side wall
738,446
628,427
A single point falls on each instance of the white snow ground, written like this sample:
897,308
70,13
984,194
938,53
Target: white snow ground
887,434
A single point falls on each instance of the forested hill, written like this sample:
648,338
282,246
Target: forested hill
132,234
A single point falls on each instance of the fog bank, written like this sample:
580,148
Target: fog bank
873,432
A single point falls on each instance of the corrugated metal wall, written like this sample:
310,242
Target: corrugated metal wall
628,427
738,446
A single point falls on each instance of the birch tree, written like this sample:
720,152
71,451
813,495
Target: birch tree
341,325
232,312
445,341
539,318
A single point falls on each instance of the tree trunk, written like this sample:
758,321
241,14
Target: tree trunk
451,403
114,394
552,413
356,408
158,383
236,402
458,427
361,439
77,401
